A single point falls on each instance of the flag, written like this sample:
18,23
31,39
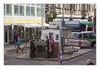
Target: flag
50,44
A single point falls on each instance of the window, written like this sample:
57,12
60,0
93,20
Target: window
4,9
91,35
89,8
80,36
38,11
57,36
74,35
27,11
8,9
33,4
38,4
85,35
54,24
21,10
43,5
27,4
32,11
16,10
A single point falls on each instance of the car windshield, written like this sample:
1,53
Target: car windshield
75,35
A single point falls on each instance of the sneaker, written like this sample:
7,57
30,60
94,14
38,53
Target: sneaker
16,51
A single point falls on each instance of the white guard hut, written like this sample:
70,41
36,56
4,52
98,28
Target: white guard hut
55,34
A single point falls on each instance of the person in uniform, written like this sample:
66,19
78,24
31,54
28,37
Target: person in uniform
47,47
32,48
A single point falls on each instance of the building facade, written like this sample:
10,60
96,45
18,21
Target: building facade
74,9
17,15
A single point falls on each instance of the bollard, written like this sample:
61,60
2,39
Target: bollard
58,58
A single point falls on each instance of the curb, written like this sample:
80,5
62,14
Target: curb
71,57
77,55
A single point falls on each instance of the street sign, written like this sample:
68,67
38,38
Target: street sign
77,42
69,49
72,24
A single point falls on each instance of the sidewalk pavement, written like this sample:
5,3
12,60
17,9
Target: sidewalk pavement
64,58
11,47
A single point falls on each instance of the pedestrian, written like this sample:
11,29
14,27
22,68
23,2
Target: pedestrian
50,45
15,38
47,47
32,47
89,62
18,45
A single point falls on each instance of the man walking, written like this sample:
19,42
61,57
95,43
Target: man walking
47,47
15,38
18,45
32,48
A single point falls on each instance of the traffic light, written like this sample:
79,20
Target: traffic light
50,17
46,8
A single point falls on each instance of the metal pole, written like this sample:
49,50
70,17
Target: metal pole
42,20
60,36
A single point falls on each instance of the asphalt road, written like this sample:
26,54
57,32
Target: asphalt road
10,59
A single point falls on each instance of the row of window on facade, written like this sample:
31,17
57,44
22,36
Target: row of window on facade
19,10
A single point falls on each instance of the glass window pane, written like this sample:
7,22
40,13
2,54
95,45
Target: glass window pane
9,9
43,5
38,4
21,10
32,11
38,11
33,4
27,4
74,35
27,11
80,36
4,9
57,37
16,10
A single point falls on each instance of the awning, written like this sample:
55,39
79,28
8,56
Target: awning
18,24
44,24
86,22
7,24
31,25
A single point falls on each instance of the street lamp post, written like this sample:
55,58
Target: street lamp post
42,20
